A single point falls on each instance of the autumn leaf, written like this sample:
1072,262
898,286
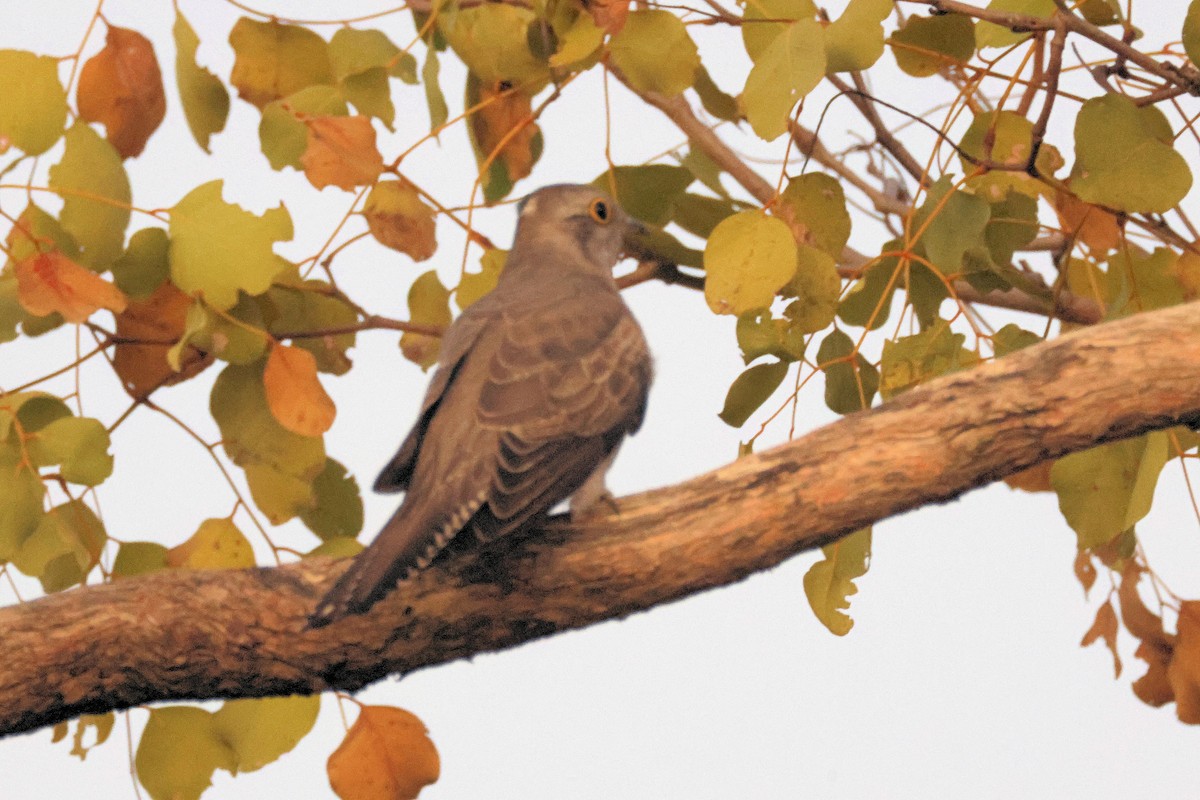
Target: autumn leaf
609,14
1095,227
341,152
1105,627
294,394
50,282
1156,647
503,112
216,544
161,317
1184,671
387,755
399,219
121,86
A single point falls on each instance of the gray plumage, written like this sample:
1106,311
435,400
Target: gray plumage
536,386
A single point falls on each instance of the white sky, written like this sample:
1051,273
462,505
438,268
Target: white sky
962,676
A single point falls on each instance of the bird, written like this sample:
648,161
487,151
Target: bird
536,386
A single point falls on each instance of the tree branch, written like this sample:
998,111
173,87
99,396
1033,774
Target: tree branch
221,634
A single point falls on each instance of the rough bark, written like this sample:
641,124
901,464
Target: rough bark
223,634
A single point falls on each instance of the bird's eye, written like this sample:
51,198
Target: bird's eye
598,211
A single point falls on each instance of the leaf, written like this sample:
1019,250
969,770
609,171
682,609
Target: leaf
283,135
139,558
294,393
362,62
1124,158
428,304
179,750
341,152
1006,137
338,507
1105,627
216,544
766,19
1105,490
869,301
580,41
988,34
143,267
924,46
89,169
434,98
748,258
829,583
912,360
162,316
21,493
1012,338
50,283
816,287
759,334
492,39
1098,229
338,547
850,382
1083,567
103,723
386,754
1147,280
121,87
218,248
699,215
475,285
610,15
33,104
399,219
260,730
63,548
788,69
715,100
1191,32
654,52
312,306
647,192
205,99
854,41
273,60
1184,670
956,222
79,444
505,141
750,390
815,205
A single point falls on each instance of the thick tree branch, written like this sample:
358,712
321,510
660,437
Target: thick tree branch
194,635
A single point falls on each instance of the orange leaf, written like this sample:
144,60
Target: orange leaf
1032,479
1184,670
1095,227
341,152
160,318
399,219
387,755
294,395
1139,620
609,14
1085,570
49,282
494,120
1153,688
1105,627
121,86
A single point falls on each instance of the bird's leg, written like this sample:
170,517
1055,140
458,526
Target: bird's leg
593,498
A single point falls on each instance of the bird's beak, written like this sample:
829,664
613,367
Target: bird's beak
636,240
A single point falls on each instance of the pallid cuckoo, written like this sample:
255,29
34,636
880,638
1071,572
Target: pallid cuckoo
536,386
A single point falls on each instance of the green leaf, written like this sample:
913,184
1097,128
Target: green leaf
924,46
1013,224
492,39
64,547
255,441
654,52
1106,490
869,301
911,360
338,547
79,444
204,98
748,258
144,265
219,336
475,285
273,60
647,192
1191,32
282,136
33,104
816,287
1124,159
750,390
21,493
1146,281
955,225
260,730
428,304
1010,136
699,215
338,510
218,248
578,43
1012,338
788,69
353,51
760,334
35,410
816,201
758,34
829,583
180,749
434,98
139,558
988,34
11,310
312,306
850,383
38,232
91,168
716,101
854,41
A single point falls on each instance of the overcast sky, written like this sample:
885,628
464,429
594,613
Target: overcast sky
962,676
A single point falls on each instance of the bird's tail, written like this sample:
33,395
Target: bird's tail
407,543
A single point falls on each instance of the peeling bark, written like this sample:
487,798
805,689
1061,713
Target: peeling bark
221,634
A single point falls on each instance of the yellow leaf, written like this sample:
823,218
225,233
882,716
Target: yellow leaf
387,755
428,304
341,152
121,86
294,393
51,282
217,544
274,60
829,583
398,219
748,258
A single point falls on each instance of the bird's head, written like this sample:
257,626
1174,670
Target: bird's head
576,216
